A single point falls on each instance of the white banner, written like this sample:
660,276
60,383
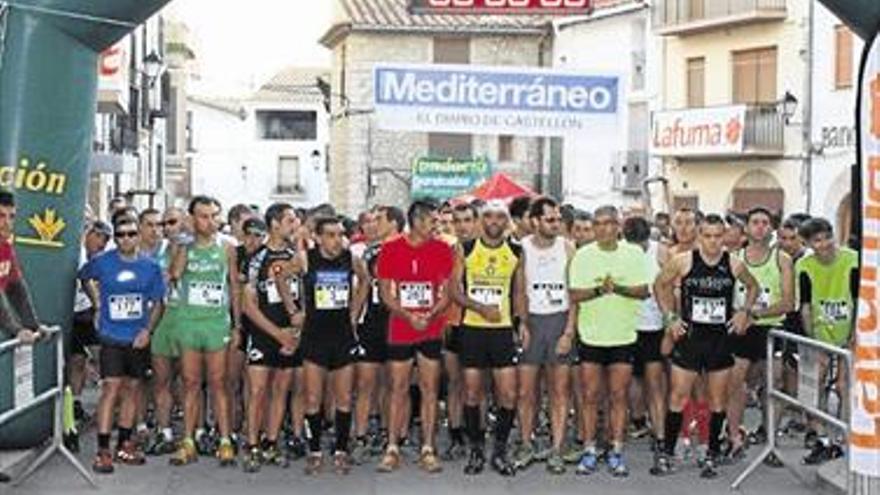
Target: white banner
865,422
23,374
469,99
698,131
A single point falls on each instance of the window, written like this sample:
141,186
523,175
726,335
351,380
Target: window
452,50
442,145
288,175
505,148
287,125
754,76
696,82
843,57
696,9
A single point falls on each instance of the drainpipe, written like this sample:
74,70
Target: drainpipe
48,79
807,128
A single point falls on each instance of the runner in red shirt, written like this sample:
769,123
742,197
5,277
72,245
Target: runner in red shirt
21,321
414,271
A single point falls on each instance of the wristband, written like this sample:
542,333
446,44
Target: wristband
670,318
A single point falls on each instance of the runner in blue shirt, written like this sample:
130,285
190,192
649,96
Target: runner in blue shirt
131,290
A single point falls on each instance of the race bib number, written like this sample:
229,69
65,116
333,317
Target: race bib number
272,294
548,294
331,291
415,295
206,294
763,301
709,310
486,295
834,311
126,307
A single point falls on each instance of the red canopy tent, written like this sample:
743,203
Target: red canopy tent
499,186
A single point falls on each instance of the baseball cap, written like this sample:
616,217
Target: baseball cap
254,226
495,206
101,227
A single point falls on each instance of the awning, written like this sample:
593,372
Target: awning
499,186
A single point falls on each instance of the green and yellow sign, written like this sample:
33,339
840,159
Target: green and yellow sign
444,178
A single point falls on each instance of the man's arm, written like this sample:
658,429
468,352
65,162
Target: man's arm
664,286
234,287
580,293
742,273
252,310
785,304
362,290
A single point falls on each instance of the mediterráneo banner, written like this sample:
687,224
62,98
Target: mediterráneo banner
491,100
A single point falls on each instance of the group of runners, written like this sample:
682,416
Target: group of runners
290,333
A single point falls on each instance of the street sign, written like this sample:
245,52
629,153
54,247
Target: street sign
572,7
444,178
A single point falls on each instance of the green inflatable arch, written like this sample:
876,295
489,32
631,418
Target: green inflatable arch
48,76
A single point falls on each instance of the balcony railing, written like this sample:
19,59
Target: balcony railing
764,130
681,17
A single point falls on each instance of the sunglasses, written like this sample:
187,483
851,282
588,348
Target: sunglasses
170,222
130,234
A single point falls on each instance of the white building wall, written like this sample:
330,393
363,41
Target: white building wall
603,46
833,120
231,163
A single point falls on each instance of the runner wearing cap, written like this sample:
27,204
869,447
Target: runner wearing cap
488,282
83,335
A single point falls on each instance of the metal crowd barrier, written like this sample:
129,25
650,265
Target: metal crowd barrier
56,394
774,395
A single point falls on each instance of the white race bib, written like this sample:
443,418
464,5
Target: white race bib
486,295
331,290
126,307
206,294
763,301
416,295
709,310
272,294
548,294
834,311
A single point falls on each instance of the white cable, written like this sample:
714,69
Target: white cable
71,15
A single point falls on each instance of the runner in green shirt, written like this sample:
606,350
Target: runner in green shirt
828,282
201,272
608,279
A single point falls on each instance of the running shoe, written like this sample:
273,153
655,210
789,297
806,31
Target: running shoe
588,463
314,463
476,462
186,453
662,465
274,457
617,465
524,456
129,454
253,460
501,464
341,462
390,461
429,462
226,453
455,451
360,453
103,463
555,463
710,468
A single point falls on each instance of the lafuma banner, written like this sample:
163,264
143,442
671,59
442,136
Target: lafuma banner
865,420
492,100
698,131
